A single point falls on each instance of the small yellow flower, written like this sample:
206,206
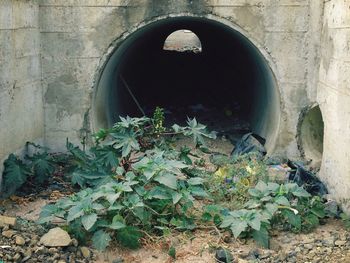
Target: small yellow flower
222,172
250,170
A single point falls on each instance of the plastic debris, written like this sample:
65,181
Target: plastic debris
307,179
249,143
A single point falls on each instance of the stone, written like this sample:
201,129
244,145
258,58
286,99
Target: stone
20,240
308,246
275,245
7,220
222,255
16,257
328,241
340,243
8,233
53,250
56,237
75,242
85,252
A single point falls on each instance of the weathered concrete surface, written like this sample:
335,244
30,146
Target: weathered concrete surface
21,104
53,52
73,45
333,95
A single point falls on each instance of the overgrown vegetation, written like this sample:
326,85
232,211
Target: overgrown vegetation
34,169
135,182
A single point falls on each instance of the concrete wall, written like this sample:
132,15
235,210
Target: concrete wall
75,36
63,45
21,104
333,96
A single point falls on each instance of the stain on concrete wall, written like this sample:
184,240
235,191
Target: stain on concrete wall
333,96
21,102
54,50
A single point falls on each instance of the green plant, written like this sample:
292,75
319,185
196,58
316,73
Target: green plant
138,184
158,120
272,203
135,182
346,220
34,169
234,177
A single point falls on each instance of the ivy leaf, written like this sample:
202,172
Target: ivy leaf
129,237
89,220
167,179
100,240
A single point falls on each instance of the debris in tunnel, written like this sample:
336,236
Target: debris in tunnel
249,143
307,179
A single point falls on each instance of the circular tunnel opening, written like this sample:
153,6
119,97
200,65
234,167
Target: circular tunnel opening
228,85
311,136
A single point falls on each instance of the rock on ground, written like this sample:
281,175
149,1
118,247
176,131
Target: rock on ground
56,237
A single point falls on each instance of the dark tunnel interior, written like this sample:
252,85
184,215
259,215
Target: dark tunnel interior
229,86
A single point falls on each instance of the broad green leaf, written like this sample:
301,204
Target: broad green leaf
282,200
184,157
47,213
118,222
273,187
199,191
42,167
261,237
159,193
300,192
238,226
129,237
78,178
100,240
89,220
112,197
255,223
167,179
318,211
293,219
195,181
254,192
14,175
176,197
262,187
271,208
312,220
75,212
